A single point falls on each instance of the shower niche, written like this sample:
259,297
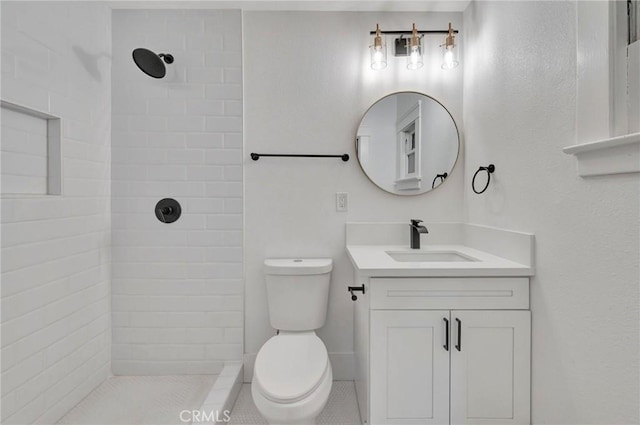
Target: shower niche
31,158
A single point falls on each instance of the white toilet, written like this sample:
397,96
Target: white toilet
292,375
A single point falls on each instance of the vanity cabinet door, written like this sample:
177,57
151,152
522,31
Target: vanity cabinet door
409,367
490,367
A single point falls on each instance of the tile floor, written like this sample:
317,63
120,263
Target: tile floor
141,400
341,409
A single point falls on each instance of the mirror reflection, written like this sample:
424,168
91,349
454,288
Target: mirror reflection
407,143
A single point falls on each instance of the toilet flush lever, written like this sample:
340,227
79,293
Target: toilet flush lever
353,289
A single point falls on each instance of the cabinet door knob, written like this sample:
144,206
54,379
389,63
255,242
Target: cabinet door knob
459,344
446,333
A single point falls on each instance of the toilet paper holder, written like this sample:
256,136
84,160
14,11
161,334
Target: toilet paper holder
353,289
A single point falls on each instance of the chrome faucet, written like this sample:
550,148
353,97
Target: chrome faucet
416,229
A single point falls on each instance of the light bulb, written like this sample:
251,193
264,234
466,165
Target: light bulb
449,63
377,59
414,59
448,58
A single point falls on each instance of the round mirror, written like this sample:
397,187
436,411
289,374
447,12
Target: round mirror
407,143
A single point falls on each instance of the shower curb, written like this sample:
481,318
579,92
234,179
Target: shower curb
222,395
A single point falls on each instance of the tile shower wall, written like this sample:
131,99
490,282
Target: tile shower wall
177,288
55,249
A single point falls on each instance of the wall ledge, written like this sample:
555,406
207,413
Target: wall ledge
615,155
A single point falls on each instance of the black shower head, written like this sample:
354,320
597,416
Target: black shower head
150,63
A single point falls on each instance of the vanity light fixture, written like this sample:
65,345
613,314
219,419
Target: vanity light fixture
378,51
449,51
411,44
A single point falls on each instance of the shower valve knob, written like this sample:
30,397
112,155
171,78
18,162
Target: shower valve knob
168,210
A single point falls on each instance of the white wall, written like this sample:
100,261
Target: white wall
177,288
55,249
520,110
308,82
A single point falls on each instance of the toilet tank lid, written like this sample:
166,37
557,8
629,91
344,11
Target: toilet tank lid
297,266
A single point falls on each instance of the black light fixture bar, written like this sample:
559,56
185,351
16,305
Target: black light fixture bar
411,32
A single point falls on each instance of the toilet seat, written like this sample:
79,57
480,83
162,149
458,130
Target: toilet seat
289,367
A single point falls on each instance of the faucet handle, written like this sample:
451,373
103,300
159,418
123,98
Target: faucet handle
415,221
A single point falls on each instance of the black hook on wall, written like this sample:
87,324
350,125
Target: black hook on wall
489,169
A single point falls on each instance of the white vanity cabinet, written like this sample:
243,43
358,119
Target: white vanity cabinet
444,350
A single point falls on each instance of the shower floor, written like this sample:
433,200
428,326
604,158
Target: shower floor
141,400
341,409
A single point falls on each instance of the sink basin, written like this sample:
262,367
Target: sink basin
428,256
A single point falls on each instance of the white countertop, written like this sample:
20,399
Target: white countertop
372,260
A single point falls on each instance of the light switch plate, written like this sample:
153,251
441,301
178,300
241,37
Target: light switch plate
342,201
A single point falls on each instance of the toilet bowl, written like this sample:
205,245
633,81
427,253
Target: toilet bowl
292,375
292,378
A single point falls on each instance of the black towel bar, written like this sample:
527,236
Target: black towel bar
256,156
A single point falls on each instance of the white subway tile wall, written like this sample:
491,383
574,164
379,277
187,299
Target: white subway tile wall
55,249
177,294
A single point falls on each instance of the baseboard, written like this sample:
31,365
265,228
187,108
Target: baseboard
342,364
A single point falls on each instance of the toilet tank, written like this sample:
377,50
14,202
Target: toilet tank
298,292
